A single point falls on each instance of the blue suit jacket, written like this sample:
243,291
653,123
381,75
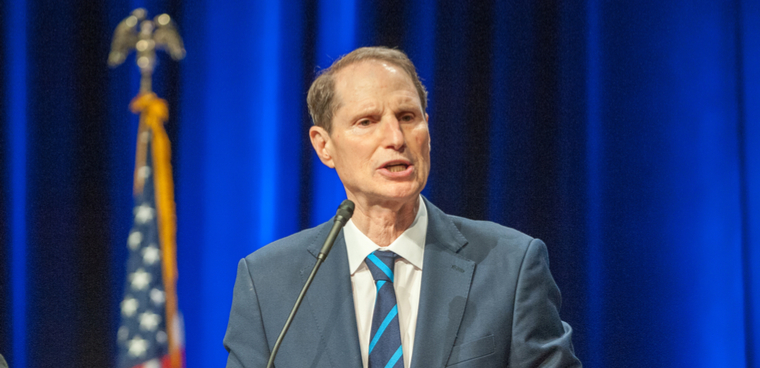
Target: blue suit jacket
487,300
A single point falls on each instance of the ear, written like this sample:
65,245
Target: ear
322,144
427,120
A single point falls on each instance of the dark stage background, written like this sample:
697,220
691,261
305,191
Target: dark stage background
624,134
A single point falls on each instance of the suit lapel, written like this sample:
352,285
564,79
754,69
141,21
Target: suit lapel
446,279
331,304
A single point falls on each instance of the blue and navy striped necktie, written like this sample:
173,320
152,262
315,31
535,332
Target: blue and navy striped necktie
385,338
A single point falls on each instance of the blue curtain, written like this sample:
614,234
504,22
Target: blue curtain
624,134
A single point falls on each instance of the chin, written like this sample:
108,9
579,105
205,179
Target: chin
402,194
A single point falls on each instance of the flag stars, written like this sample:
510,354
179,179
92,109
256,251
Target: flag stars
160,337
150,254
137,346
123,333
140,279
134,240
157,296
129,306
144,172
149,321
143,213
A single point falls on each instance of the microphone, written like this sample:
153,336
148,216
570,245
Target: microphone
344,213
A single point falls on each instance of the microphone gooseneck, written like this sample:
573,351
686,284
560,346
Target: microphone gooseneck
344,213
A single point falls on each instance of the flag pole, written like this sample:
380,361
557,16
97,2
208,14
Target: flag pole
145,36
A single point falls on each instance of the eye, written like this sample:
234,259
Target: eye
407,117
364,122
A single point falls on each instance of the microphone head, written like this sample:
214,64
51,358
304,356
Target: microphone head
345,211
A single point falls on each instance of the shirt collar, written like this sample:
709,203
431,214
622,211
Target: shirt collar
410,245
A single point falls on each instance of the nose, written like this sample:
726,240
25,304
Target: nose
393,135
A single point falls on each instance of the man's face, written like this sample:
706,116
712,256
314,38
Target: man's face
379,144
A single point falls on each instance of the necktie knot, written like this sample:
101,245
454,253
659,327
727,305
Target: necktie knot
381,264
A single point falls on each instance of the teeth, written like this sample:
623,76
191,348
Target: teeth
396,168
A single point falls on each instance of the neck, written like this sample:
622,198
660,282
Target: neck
382,223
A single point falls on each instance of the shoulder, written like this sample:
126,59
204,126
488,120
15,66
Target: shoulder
487,231
477,240
276,269
489,239
469,232
288,249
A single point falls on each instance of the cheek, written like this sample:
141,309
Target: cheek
354,160
422,138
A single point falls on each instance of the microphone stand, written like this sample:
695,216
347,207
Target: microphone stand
344,213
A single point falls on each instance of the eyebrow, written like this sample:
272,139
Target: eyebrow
367,109
370,108
410,106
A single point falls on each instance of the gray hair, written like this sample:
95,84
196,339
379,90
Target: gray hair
321,97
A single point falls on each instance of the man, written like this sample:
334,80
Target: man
456,292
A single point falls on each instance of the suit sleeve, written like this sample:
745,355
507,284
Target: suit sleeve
539,337
245,339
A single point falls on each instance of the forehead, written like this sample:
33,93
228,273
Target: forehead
371,77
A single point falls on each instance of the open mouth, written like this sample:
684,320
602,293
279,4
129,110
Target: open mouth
397,167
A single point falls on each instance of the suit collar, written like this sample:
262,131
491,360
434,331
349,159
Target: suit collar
441,230
409,245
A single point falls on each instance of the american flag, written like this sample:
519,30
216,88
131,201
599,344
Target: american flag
143,337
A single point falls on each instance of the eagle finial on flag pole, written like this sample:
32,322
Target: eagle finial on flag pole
150,334
146,36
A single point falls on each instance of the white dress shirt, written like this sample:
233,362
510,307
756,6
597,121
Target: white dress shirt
407,280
